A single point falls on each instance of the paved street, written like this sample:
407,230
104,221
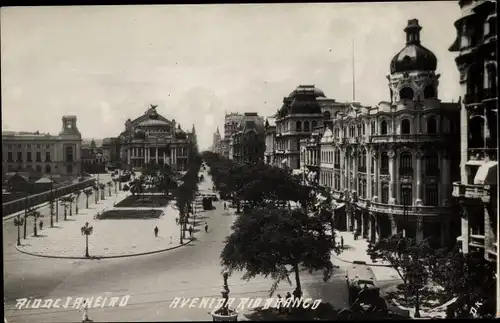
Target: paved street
153,281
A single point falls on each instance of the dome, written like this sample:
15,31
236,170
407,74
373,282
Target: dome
414,57
307,90
153,122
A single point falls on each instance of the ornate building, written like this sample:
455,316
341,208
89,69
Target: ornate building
59,156
299,115
393,164
247,144
231,124
310,158
151,138
270,131
476,191
111,150
216,142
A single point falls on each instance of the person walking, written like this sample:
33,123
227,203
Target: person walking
191,231
206,227
41,225
156,231
177,221
85,309
341,242
225,206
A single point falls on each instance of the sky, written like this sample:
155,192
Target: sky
106,64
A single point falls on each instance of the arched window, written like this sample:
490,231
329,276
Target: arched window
406,93
364,128
429,92
491,85
38,168
373,128
326,115
431,125
431,164
47,169
298,126
69,154
306,125
405,164
384,163
476,132
383,127
314,125
405,126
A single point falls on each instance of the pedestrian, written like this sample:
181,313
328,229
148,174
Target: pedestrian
41,225
287,302
225,206
341,242
156,231
85,308
280,304
206,227
191,231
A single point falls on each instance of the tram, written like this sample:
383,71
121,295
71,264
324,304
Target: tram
362,284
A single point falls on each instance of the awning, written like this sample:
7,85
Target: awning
487,174
339,206
475,163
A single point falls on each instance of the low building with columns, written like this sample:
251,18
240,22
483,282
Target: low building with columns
151,138
477,188
393,165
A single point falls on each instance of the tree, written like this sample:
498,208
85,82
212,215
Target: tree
469,277
409,259
52,204
96,191
88,192
110,183
137,186
35,214
102,187
276,242
115,181
65,204
77,196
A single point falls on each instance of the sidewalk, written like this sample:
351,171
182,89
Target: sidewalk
110,238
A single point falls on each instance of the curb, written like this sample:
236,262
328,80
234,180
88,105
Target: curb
103,257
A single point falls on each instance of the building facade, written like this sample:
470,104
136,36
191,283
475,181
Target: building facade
111,150
247,144
270,133
295,120
310,159
231,124
476,190
33,152
392,166
216,142
151,138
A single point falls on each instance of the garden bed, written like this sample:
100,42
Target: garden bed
129,214
145,201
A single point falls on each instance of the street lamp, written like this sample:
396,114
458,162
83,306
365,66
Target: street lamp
405,217
87,230
18,222
25,213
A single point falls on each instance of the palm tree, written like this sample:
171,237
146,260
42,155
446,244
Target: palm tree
35,214
64,204
102,187
88,192
77,196
71,199
115,180
96,191
110,183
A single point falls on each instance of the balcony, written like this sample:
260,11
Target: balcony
406,171
470,191
384,171
490,94
409,138
434,172
482,154
472,99
476,240
411,210
492,253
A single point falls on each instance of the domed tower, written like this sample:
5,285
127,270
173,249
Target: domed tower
412,79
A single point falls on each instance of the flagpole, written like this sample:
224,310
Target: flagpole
353,75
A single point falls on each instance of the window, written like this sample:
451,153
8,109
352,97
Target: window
69,169
9,156
345,132
38,146
384,163
429,92
406,93
306,125
373,128
47,169
38,156
28,156
19,146
28,146
38,168
47,156
383,127
19,156
352,132
405,164
47,146
431,195
364,132
476,132
69,154
431,125
337,132
431,164
298,126
405,126
406,194
314,124
385,193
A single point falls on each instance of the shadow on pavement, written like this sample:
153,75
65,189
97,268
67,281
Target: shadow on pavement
55,227
324,311
40,236
68,219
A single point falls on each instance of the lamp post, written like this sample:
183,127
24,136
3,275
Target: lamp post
87,230
25,214
405,217
417,279
18,222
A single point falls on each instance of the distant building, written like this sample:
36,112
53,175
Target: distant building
93,159
247,144
477,188
216,142
270,133
231,123
33,152
152,138
111,150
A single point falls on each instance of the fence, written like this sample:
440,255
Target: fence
36,199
